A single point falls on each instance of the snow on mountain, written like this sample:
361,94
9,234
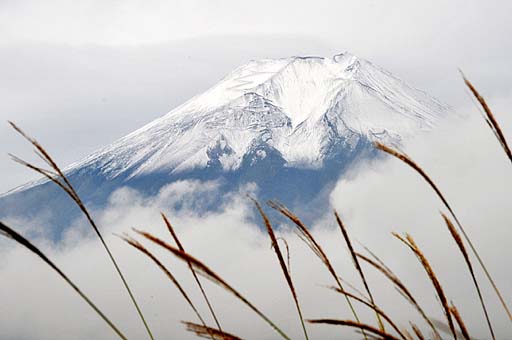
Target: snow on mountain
302,110
293,104
291,126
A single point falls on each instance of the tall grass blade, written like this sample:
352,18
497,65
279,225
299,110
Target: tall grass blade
489,118
203,292
66,186
10,233
407,160
409,241
417,331
462,249
375,308
311,242
282,264
209,274
357,265
402,289
203,331
355,324
460,322
137,245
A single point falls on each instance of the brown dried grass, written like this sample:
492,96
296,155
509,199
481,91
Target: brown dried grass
407,160
203,331
282,264
462,248
489,118
402,289
417,331
460,322
57,176
10,233
203,292
306,236
209,274
375,308
137,245
357,265
409,241
355,324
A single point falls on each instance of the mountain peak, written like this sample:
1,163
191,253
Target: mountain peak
305,109
301,86
291,126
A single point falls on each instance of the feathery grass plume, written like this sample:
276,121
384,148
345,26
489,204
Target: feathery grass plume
489,118
376,258
355,324
407,160
369,336
209,274
408,335
275,246
311,242
357,265
443,327
460,322
180,247
409,241
205,332
355,289
288,265
402,289
137,245
417,331
66,186
462,249
10,233
374,307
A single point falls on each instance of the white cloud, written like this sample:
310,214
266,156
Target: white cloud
237,249
473,172
379,198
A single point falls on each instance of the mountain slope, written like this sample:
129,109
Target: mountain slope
290,125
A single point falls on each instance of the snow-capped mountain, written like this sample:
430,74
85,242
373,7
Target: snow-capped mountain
287,118
298,106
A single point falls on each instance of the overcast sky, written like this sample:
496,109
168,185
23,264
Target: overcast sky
79,75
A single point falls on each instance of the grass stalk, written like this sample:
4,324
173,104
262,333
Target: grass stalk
282,264
357,265
489,118
137,245
460,322
417,331
375,308
409,241
349,323
66,186
306,236
196,278
462,248
407,160
402,289
10,233
203,331
209,274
